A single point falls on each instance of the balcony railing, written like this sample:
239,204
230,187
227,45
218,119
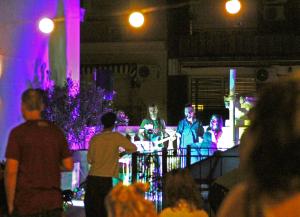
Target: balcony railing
151,167
245,44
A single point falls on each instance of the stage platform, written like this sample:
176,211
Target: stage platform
71,180
146,170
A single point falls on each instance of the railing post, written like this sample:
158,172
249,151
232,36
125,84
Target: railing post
164,161
188,155
134,167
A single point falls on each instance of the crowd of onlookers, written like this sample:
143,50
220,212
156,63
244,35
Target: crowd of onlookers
269,158
181,198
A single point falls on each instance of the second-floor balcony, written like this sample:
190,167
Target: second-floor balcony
237,45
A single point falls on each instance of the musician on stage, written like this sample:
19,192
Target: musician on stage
213,138
152,131
153,127
188,132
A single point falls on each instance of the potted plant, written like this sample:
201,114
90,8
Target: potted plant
78,114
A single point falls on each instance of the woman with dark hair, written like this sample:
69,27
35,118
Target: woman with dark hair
270,157
212,138
181,196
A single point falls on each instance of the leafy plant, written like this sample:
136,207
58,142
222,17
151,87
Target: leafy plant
76,112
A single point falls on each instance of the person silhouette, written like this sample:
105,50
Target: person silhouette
269,156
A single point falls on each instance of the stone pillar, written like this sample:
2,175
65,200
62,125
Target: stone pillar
24,53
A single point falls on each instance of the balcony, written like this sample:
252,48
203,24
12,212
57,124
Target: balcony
238,45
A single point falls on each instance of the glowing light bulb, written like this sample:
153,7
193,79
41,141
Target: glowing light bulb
136,19
233,6
46,25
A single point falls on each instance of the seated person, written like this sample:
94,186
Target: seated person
181,195
269,157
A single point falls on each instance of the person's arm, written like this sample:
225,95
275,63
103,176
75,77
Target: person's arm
90,151
200,131
10,179
141,130
66,159
128,146
163,128
141,134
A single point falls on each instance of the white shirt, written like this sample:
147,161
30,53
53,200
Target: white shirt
103,153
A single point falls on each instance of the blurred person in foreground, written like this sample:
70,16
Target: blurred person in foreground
129,201
270,157
36,152
181,196
103,156
3,203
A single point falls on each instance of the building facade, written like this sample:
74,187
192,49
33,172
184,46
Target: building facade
185,50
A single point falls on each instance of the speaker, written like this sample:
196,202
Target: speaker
262,75
217,174
221,187
216,166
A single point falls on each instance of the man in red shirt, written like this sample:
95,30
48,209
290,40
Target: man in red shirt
36,152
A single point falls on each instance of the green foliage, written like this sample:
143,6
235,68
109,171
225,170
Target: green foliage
75,112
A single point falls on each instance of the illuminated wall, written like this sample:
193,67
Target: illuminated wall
26,53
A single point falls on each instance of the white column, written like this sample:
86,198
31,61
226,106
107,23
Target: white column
232,79
24,53
72,16
23,56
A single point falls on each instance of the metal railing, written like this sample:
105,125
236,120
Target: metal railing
205,166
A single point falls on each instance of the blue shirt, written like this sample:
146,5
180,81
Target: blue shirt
189,132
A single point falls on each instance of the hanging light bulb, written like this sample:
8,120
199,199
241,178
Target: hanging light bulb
136,19
233,6
46,25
